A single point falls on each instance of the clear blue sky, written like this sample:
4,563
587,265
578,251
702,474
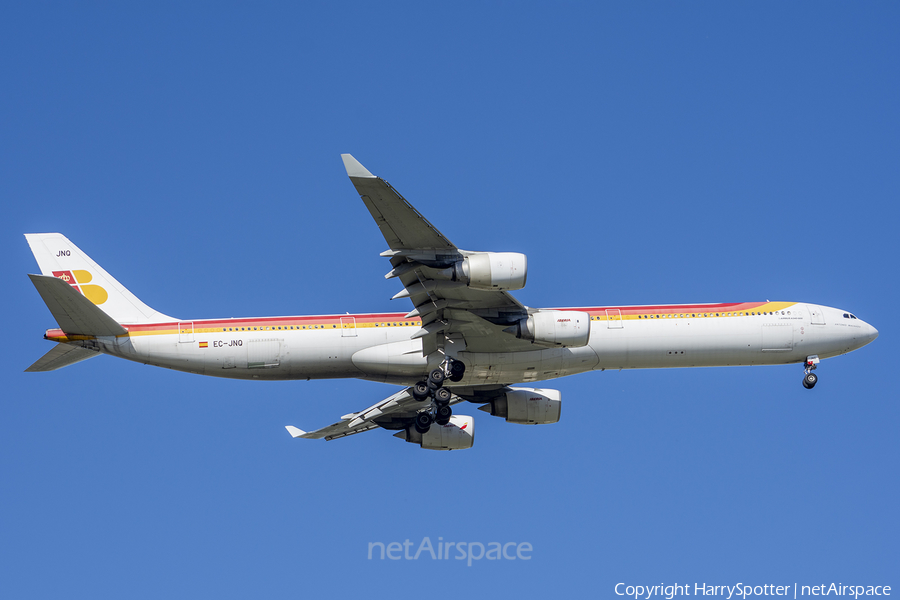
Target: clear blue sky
636,152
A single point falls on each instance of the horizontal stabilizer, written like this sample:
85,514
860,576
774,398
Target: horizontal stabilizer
295,432
61,355
75,314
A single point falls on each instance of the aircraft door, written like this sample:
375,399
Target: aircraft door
816,316
348,326
263,353
186,332
613,318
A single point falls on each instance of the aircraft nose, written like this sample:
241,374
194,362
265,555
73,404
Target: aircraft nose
871,334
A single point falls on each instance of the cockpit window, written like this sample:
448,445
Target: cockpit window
846,316
850,316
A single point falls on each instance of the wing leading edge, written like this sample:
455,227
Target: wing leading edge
402,226
426,263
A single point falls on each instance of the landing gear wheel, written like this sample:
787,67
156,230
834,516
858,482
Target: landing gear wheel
457,370
442,396
421,391
443,415
436,379
423,422
810,380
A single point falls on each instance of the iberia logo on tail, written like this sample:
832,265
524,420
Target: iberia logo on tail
78,280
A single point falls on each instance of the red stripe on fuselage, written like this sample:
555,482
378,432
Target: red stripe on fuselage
399,317
394,317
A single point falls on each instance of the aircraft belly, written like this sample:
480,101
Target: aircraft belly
322,355
701,342
158,350
528,366
399,359
306,355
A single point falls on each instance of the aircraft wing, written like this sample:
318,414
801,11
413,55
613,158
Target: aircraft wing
394,412
402,226
419,253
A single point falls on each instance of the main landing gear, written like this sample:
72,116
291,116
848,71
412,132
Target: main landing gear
439,412
809,378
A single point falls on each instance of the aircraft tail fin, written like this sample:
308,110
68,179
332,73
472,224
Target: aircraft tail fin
61,355
59,258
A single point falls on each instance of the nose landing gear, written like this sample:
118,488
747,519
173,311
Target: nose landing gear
809,378
439,412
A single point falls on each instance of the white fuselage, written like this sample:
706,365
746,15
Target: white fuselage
378,347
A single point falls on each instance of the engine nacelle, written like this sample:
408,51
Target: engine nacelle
527,406
493,271
458,434
567,328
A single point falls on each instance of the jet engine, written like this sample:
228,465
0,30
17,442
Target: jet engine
458,434
567,328
526,406
493,271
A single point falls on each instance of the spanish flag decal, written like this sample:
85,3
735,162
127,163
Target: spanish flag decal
204,344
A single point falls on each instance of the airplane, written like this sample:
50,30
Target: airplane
467,339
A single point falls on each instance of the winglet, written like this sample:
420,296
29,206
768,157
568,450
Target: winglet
295,433
354,169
